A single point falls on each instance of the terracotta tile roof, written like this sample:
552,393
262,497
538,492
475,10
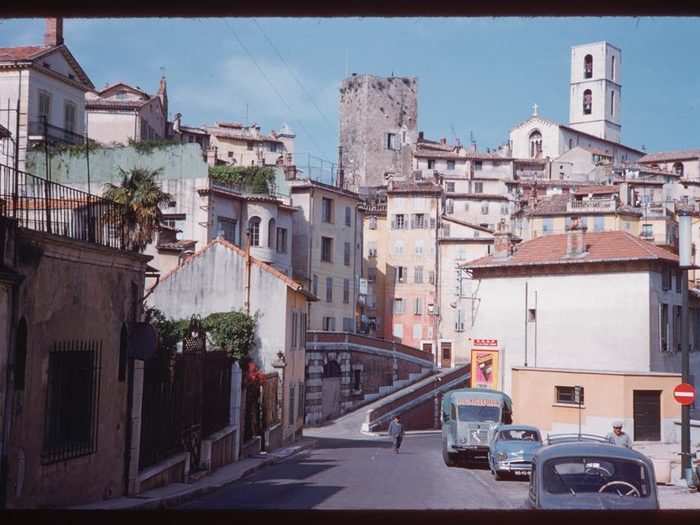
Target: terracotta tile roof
550,205
117,84
597,190
600,247
413,187
179,246
115,104
467,224
665,156
22,53
291,283
597,151
435,154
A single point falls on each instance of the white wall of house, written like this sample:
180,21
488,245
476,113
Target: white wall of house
590,321
309,231
11,84
61,93
109,127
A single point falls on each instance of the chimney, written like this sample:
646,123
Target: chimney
176,123
211,156
575,246
443,141
473,147
503,241
420,136
290,172
54,32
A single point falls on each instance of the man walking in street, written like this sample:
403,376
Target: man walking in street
618,437
396,432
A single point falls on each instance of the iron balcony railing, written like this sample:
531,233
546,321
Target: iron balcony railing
591,205
43,131
49,207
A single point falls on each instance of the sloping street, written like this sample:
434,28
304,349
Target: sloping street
349,470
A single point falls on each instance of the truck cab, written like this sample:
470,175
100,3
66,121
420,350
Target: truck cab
469,418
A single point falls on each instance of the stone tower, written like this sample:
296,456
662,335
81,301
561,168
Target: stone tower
378,123
594,106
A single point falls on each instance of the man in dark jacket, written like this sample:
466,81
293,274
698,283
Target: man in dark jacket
396,432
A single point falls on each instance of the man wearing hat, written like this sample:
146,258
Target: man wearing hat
618,437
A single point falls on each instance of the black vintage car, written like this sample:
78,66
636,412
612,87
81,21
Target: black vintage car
586,475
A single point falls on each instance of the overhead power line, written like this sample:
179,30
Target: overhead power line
270,83
294,76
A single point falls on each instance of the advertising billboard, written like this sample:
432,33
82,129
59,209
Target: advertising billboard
485,364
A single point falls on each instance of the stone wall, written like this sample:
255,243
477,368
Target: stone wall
371,107
72,292
381,369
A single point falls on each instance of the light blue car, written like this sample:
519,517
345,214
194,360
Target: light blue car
511,450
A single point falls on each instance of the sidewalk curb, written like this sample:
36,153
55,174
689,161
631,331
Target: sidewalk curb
192,493
407,433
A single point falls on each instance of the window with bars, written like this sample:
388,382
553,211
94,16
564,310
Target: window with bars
478,187
254,227
348,216
70,419
567,395
346,291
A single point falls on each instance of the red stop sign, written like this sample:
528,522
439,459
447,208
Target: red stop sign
684,394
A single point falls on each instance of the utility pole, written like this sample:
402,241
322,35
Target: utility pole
685,221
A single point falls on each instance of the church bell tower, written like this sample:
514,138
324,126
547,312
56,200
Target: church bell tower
595,102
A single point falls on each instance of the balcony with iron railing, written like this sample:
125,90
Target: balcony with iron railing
45,206
245,190
591,205
42,131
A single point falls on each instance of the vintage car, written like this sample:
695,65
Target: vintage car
511,450
587,475
469,418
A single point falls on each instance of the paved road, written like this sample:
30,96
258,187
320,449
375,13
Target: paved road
353,472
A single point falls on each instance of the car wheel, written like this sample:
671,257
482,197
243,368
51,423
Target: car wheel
448,458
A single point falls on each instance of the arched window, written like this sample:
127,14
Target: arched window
678,168
612,68
254,229
588,66
20,354
123,348
331,369
535,144
271,233
587,102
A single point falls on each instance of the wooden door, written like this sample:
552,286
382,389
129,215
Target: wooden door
647,415
446,354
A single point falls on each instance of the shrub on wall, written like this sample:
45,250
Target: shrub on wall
255,179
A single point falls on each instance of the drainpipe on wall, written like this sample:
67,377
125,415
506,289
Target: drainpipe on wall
247,272
436,318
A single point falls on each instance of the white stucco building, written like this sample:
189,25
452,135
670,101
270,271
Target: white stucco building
120,113
215,280
594,111
50,86
567,306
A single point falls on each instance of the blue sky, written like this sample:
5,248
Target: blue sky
475,75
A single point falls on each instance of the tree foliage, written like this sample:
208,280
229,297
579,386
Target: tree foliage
254,179
140,195
232,331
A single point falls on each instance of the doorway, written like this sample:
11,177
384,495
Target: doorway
647,415
330,390
446,354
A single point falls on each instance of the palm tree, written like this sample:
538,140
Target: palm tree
140,195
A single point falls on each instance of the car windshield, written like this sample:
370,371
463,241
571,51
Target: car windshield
479,413
579,475
519,435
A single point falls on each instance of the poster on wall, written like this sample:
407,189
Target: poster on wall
485,364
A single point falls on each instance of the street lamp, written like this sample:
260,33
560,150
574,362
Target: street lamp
685,221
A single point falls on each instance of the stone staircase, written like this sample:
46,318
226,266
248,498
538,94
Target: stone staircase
397,385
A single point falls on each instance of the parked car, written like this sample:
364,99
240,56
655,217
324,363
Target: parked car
469,417
511,450
586,475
